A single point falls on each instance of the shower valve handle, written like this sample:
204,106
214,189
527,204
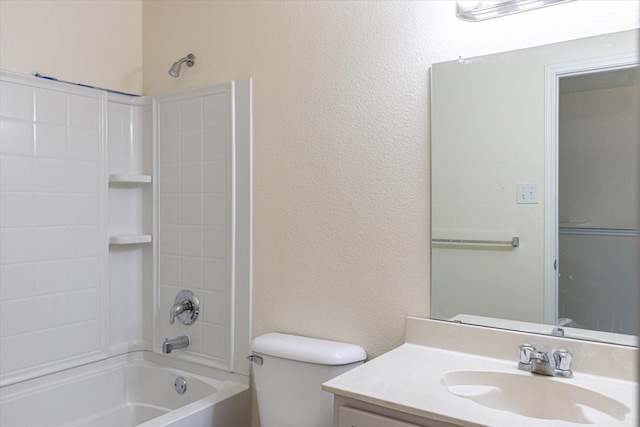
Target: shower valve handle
186,308
177,309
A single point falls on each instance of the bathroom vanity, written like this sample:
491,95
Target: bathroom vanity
449,374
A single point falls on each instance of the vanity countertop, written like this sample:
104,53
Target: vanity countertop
409,378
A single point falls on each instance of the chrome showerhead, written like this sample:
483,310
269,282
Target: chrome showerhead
174,71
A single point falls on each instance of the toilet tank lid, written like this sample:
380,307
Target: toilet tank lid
310,350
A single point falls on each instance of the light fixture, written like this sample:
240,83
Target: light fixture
481,10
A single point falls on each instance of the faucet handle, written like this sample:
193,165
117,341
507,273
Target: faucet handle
525,356
175,310
186,308
563,359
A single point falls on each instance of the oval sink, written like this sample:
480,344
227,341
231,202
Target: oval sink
535,396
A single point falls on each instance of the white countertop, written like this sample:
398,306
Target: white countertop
409,379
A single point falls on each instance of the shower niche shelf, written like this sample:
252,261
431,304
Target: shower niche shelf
130,185
129,239
129,179
129,215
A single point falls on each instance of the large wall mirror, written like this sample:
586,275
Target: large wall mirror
535,178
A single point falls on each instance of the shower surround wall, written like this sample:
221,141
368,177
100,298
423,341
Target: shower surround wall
197,220
52,225
77,216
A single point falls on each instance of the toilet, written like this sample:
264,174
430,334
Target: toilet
289,371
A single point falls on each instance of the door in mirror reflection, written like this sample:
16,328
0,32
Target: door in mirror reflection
597,201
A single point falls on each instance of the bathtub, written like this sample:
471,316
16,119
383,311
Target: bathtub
135,389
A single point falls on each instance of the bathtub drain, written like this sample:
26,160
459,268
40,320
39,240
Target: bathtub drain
180,384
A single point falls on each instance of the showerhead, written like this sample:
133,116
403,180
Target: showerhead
174,71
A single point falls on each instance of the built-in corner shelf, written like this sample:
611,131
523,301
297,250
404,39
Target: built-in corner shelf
129,239
129,179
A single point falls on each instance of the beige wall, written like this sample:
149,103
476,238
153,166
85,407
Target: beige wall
97,43
341,146
341,188
340,153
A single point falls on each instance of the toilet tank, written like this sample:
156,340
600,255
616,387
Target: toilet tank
289,371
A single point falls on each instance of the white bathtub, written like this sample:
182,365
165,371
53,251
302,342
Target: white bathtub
136,389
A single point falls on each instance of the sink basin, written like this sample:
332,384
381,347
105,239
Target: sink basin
535,396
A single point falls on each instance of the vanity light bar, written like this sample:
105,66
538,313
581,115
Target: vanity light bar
514,242
481,10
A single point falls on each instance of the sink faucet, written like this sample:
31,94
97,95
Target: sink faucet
172,344
538,362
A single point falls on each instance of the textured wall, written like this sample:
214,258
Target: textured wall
341,189
340,153
341,126
97,43
341,174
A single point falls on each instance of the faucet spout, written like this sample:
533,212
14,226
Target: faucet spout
540,363
169,345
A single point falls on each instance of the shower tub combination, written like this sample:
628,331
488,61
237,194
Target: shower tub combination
135,389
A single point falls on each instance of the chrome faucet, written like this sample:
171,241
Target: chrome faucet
186,308
173,344
179,308
538,362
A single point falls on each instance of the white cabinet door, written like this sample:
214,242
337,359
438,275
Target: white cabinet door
350,417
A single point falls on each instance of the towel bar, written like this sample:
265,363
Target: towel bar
514,242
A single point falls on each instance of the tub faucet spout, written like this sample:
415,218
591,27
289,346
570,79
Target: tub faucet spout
172,344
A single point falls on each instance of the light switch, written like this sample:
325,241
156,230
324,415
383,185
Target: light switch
528,192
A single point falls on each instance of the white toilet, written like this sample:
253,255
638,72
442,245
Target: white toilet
289,371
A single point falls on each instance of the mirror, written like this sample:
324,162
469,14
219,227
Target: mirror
534,193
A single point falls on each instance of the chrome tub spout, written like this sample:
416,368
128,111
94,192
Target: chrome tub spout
172,344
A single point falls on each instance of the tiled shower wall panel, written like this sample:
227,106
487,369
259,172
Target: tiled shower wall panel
195,219
50,227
